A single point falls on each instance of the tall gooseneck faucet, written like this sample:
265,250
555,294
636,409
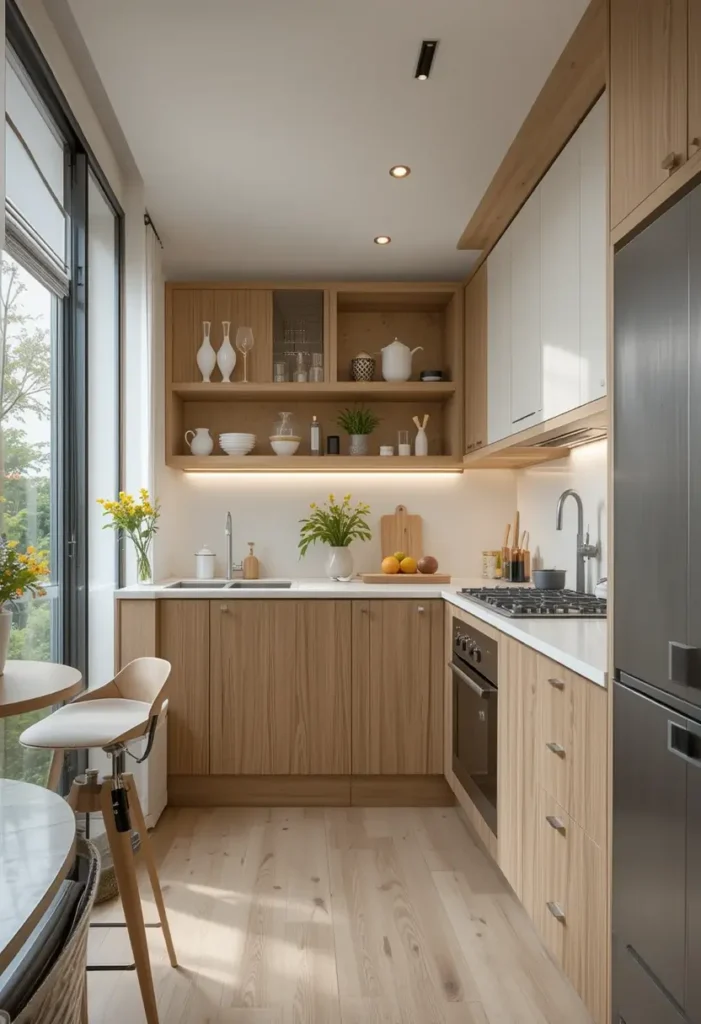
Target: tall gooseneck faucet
584,548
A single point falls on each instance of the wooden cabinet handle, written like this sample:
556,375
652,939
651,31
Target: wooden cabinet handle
670,162
557,684
223,607
555,823
556,749
556,910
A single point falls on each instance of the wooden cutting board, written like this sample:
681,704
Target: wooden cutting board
417,577
402,532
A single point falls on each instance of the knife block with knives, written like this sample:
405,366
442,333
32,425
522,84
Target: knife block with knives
516,558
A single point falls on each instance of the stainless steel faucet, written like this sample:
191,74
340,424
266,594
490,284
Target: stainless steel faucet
584,548
229,546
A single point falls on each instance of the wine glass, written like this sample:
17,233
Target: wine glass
244,343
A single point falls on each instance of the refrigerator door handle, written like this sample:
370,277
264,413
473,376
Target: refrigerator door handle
684,664
683,743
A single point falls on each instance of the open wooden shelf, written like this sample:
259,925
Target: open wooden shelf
329,391
316,464
341,319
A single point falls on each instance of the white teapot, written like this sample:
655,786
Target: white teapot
396,360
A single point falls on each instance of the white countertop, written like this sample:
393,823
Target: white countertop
578,644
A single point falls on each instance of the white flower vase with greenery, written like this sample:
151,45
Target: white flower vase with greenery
358,424
20,573
336,525
138,520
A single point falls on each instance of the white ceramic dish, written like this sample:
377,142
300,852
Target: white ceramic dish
288,446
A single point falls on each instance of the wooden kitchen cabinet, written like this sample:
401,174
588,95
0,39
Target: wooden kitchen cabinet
476,361
570,902
572,745
397,726
516,768
648,86
184,642
280,687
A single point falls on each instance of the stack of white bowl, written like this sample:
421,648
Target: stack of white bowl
237,444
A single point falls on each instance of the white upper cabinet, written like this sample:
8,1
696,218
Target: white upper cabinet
559,283
499,344
526,403
592,254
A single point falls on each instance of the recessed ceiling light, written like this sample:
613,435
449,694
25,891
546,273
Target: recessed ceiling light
426,55
382,240
400,171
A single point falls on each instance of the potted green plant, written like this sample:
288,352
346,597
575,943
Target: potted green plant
139,521
358,424
335,524
20,573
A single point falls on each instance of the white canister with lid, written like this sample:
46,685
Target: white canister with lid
204,564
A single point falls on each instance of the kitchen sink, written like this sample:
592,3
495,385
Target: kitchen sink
230,585
259,585
198,585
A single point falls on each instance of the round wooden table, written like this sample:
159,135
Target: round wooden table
31,685
37,850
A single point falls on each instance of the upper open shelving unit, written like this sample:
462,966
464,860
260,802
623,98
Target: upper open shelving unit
335,321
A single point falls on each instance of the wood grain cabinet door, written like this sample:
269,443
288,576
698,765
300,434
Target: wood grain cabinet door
184,642
321,707
476,361
397,687
516,768
648,95
694,44
252,686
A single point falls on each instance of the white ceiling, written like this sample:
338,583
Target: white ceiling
264,129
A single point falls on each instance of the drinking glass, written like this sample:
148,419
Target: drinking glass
244,343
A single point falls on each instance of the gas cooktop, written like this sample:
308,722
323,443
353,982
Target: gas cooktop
528,603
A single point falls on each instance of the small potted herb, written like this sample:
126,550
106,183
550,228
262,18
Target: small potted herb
358,424
335,524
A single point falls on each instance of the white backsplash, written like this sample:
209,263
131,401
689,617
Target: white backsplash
461,516
538,489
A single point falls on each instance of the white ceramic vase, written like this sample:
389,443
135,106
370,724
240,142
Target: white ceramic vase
421,442
339,564
201,442
226,357
5,628
358,444
206,356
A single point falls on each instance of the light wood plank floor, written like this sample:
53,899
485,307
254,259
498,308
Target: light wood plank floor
333,916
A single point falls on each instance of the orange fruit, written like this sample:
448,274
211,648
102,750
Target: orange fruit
408,565
390,565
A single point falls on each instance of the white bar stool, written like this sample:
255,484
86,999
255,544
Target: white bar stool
110,717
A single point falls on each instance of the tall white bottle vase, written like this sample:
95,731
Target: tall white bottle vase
226,356
206,356
421,442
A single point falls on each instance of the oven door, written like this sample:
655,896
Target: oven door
475,739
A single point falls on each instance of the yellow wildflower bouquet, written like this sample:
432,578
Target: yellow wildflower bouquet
138,520
335,523
21,573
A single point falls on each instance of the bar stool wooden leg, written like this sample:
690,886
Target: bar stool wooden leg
55,770
123,858
139,823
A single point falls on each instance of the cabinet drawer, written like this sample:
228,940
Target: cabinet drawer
553,839
572,745
570,901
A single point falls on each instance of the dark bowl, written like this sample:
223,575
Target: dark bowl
549,579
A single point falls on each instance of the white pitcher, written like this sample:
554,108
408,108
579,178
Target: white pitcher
396,360
201,443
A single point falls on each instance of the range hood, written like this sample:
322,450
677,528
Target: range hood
573,438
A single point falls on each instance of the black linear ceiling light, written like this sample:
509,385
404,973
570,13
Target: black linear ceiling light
426,55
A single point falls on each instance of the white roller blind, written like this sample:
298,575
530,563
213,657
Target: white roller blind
36,221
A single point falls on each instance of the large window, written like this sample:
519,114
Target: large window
59,381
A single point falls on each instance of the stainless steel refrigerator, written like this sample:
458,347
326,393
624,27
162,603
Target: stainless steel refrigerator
657,624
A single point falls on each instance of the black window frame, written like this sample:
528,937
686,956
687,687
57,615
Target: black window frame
72,433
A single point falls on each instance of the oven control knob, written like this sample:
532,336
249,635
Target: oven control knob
465,642
477,654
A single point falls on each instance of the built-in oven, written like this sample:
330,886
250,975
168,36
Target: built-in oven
475,664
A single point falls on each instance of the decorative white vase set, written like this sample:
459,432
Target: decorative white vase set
225,358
